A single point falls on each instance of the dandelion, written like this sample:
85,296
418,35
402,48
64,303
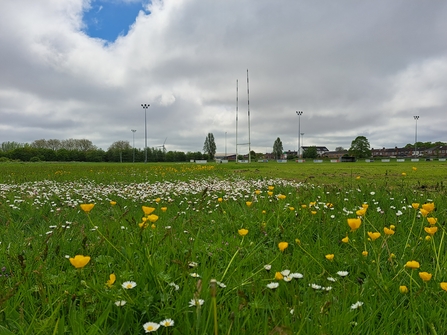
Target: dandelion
431,230
150,327
167,323
425,276
403,289
373,236
120,303
412,265
219,199
354,224
243,232
79,261
111,281
196,302
342,273
273,285
283,246
329,257
87,207
129,285
358,304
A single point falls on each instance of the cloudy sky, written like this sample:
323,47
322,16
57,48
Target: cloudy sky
82,69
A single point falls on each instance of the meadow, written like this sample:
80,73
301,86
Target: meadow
267,248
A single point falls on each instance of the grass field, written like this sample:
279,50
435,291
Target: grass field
268,248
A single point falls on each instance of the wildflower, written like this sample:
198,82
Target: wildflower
364,253
129,285
113,203
219,199
270,193
412,265
193,264
195,275
148,210
392,227
354,224
196,302
248,203
164,209
403,289
297,241
153,226
431,230
142,225
345,239
174,285
428,238
329,205
267,267
361,212
257,192
373,236
288,278
157,200
111,281
358,304
388,231
150,327
273,285
285,272
243,232
429,207
291,208
283,246
331,279
414,168
304,206
329,257
281,196
152,218
432,221
271,188
358,177
313,212
264,212
167,323
423,212
222,285
87,207
296,275
315,286
415,205
443,286
404,174
79,261
425,276
279,276
120,303
342,273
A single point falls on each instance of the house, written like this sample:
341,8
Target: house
320,150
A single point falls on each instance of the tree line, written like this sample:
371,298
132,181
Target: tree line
83,150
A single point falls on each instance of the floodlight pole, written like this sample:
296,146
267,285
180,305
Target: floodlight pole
133,133
416,118
299,113
225,145
145,107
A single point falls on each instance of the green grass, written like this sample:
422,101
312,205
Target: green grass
41,224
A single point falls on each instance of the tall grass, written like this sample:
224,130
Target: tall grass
331,278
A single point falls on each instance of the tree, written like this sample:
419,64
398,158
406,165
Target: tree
277,148
311,152
360,147
338,149
209,147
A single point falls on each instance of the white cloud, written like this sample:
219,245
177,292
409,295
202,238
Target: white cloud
361,69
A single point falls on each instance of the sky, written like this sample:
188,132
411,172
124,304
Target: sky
82,68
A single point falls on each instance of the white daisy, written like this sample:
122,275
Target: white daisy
356,305
272,285
167,323
195,275
342,273
285,272
196,302
129,285
267,267
150,327
296,275
120,303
